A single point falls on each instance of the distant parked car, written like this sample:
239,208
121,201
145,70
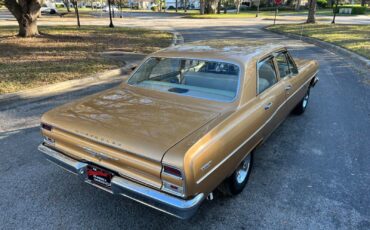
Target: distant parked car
113,8
48,10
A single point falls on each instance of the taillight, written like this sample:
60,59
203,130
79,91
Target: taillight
172,171
175,187
46,127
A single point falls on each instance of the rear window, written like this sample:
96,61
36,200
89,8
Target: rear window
211,80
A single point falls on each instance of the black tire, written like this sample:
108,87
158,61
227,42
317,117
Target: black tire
302,105
235,184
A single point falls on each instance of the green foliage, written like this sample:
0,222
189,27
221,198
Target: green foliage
154,8
59,5
352,37
355,9
322,3
1,3
271,8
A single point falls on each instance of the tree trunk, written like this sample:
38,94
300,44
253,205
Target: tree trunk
298,5
66,3
26,12
176,5
219,7
311,12
185,6
258,8
110,14
237,5
28,28
75,5
211,6
202,6
335,11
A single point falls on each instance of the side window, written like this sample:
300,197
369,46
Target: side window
282,62
292,67
266,74
165,66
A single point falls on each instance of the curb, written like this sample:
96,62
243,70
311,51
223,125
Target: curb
328,46
71,85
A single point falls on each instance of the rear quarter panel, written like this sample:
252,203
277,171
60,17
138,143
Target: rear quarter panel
212,153
307,71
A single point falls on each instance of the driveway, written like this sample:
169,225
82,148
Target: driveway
312,173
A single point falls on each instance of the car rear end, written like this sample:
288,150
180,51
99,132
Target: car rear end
119,172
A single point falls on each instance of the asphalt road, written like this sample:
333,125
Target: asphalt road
312,173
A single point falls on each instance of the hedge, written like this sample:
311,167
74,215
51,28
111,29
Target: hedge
355,9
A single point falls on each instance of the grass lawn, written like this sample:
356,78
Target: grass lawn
63,53
352,37
246,14
269,14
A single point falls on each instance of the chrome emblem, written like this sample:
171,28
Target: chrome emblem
100,156
206,165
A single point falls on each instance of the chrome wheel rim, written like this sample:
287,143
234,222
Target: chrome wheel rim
305,100
243,169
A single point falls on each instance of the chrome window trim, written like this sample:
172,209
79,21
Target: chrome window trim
270,56
285,52
292,59
238,89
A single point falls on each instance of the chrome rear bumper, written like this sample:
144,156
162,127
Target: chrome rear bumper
180,208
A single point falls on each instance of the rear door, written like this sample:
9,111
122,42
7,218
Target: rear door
289,78
271,93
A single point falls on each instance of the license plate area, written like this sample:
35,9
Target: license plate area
99,176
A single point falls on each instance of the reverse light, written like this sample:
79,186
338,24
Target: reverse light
173,189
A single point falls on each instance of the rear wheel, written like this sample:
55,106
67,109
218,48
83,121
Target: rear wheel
302,105
235,184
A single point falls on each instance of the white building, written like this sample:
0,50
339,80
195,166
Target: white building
141,4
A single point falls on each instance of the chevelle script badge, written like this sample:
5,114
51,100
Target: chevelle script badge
100,156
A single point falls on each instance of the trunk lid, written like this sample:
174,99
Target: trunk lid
124,130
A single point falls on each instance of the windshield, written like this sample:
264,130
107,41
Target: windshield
211,80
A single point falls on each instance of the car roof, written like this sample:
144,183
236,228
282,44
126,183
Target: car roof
234,50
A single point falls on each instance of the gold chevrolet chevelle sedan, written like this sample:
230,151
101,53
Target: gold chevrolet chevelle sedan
184,123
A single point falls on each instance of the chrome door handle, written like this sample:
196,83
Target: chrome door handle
288,87
268,106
